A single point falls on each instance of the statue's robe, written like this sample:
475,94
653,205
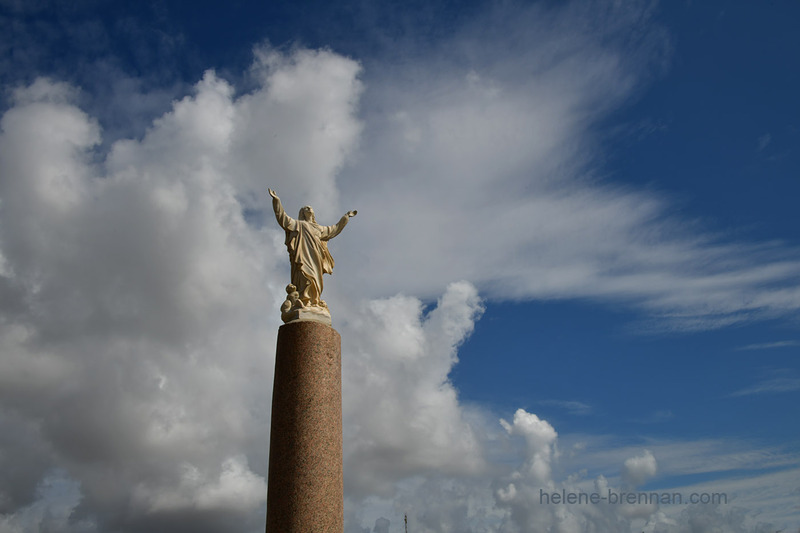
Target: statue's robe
307,244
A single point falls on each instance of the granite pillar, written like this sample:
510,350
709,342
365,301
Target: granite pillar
305,491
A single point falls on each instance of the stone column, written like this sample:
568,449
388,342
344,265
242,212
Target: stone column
305,493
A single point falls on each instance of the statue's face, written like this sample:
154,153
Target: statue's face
307,213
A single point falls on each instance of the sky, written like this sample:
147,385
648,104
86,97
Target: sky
575,267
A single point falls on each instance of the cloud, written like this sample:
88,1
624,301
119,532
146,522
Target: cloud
572,406
381,525
298,131
772,492
677,458
769,345
459,503
57,497
135,322
706,518
540,437
494,149
235,489
525,498
636,470
402,415
784,380
134,295
763,141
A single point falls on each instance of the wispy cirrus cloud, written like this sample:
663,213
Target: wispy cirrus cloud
769,345
776,381
573,407
493,149
763,141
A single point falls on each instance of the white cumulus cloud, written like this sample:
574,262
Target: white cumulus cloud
636,470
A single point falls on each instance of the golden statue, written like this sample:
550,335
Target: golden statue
307,243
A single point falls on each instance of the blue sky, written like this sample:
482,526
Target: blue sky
576,263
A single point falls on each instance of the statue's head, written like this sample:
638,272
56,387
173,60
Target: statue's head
307,213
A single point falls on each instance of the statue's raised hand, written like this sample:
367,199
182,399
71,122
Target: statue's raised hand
351,214
272,193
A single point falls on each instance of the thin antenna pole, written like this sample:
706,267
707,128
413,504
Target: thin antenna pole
405,519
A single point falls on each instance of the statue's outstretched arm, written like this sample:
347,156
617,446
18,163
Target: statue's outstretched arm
285,221
329,232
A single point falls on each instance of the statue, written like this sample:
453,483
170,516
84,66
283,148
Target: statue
307,244
292,303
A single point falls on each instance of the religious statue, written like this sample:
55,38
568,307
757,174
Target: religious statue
307,243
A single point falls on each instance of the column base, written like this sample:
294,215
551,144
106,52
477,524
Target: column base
305,491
